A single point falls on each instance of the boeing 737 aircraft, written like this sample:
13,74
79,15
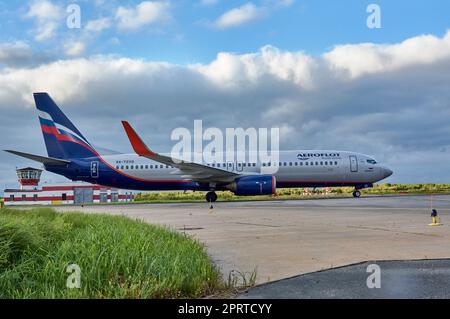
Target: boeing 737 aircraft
71,155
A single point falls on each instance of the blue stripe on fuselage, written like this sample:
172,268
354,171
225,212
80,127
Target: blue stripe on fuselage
80,170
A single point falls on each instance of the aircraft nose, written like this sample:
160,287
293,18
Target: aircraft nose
387,172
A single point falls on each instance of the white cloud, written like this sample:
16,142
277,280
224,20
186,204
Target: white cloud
238,16
47,16
144,14
359,59
20,54
44,10
98,25
232,71
74,49
15,52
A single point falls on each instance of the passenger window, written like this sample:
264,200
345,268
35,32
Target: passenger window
306,163
126,167
146,166
161,166
321,163
290,163
335,163
121,167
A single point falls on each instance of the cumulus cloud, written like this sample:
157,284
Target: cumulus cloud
395,107
248,13
371,58
98,25
74,49
144,14
47,15
240,15
19,54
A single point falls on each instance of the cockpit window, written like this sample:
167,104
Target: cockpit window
372,161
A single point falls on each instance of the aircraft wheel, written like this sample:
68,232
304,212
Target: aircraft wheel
357,194
211,197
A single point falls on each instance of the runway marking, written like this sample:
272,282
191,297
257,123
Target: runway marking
395,231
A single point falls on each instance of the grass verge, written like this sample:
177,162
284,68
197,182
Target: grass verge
118,258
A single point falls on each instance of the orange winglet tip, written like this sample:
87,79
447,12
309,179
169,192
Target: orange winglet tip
136,142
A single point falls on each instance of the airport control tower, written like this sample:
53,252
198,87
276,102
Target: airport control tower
29,178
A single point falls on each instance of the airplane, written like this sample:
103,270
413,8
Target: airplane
72,156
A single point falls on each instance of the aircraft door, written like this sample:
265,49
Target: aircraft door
353,164
94,170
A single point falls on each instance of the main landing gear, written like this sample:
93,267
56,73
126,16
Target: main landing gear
357,193
211,197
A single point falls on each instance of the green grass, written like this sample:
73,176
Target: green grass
118,257
296,193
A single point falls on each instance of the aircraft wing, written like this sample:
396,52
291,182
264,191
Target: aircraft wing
197,172
41,159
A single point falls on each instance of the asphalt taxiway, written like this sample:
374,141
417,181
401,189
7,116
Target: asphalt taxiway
282,239
417,279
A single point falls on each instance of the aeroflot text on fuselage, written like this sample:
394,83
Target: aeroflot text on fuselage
305,157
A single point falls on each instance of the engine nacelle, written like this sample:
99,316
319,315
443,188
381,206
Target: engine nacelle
254,185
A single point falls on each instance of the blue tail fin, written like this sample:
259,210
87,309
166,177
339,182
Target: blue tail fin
62,139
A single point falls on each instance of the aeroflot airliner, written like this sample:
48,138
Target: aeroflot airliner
71,155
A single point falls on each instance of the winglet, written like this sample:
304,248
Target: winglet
138,145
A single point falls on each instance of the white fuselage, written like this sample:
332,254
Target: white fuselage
292,169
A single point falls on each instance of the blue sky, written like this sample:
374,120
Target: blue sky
313,26
310,67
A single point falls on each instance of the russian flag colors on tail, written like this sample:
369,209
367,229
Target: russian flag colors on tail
62,138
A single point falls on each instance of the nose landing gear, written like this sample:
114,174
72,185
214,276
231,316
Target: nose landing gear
356,193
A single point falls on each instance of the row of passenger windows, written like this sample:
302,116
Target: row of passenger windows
322,163
143,166
224,165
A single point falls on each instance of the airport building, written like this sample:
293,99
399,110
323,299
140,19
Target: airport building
30,193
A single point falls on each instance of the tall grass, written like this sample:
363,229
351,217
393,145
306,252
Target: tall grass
118,257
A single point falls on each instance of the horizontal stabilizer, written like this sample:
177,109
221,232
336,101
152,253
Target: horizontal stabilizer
41,159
